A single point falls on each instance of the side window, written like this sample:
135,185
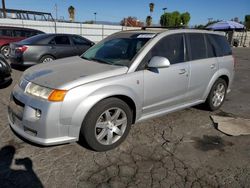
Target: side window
222,46
60,40
171,47
18,33
79,40
211,47
28,34
197,45
7,32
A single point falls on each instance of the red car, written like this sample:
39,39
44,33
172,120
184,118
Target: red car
14,34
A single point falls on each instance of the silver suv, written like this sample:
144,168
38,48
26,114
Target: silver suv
126,78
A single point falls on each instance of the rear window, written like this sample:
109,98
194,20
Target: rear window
79,40
197,45
37,39
220,44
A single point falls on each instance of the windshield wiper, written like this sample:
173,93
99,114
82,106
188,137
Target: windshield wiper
100,61
84,58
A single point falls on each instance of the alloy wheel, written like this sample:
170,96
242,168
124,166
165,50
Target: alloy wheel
218,95
110,126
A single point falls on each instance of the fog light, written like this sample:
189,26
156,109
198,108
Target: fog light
38,113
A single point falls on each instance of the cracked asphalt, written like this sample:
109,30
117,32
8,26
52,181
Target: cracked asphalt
182,149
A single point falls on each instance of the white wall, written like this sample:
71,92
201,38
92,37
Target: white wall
243,37
94,32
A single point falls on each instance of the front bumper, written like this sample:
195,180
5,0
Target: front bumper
44,130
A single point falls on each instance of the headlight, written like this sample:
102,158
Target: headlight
38,91
45,93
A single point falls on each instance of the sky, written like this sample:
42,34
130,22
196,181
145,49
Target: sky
116,10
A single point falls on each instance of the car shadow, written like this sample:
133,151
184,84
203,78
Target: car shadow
19,68
82,142
24,177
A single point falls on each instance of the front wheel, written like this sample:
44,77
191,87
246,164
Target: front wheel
107,124
217,95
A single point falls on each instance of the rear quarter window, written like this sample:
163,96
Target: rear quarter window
211,48
220,44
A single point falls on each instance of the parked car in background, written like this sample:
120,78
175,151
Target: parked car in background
128,77
14,34
47,47
5,71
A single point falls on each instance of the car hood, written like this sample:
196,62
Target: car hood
70,72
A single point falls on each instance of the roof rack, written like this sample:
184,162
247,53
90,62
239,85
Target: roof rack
160,27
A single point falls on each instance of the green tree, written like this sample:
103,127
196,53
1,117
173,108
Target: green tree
247,22
174,19
185,18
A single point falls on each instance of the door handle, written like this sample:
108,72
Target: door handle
182,71
212,66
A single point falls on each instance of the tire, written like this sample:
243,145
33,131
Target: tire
5,50
216,97
46,58
107,124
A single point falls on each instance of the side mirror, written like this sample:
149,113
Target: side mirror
158,62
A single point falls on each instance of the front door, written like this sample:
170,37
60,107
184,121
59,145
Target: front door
166,88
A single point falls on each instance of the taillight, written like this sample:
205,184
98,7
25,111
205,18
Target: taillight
21,48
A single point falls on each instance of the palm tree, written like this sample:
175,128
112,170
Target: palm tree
151,7
71,11
149,20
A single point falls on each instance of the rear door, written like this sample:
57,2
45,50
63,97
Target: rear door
80,44
61,46
203,64
166,87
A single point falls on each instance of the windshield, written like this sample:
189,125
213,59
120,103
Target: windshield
116,51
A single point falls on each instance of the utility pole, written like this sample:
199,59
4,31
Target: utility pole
4,9
95,16
56,10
